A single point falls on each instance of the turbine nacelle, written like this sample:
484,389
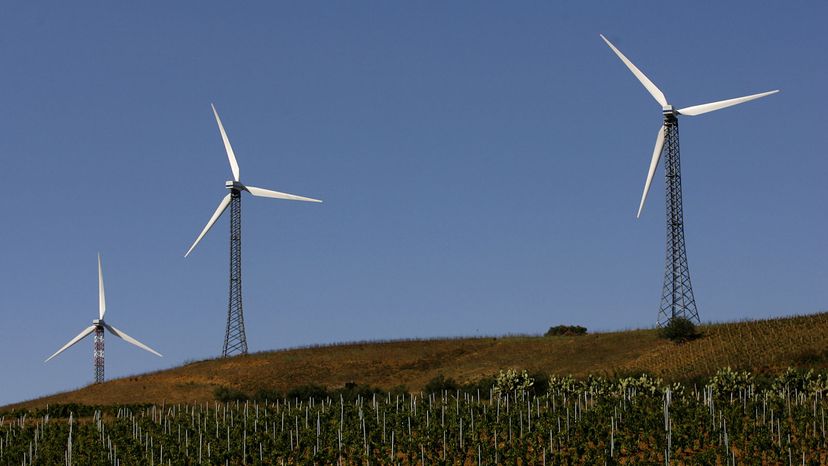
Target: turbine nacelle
669,111
234,186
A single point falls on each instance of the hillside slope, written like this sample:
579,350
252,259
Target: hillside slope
768,345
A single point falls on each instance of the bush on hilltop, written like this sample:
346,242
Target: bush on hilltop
566,331
679,330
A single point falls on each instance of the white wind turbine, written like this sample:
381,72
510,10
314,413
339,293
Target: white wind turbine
98,326
235,340
677,294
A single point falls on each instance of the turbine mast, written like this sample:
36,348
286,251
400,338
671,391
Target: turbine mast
98,353
235,340
677,294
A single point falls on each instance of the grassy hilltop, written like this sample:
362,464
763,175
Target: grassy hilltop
760,346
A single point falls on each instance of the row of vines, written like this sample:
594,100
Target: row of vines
635,420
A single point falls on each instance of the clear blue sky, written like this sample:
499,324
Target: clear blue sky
481,164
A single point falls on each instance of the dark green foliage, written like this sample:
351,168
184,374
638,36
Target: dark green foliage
352,391
566,331
764,378
440,383
541,384
267,394
483,385
679,330
78,410
227,394
74,408
305,392
694,381
399,390
811,358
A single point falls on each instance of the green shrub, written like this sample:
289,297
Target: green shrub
227,394
811,357
63,410
304,392
483,385
679,330
541,382
352,391
566,330
399,390
267,394
440,383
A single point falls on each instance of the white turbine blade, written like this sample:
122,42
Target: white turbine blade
230,155
653,90
659,145
220,210
277,195
120,334
78,338
101,293
704,108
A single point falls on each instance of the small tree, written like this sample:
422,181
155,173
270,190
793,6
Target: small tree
305,392
228,394
679,330
440,383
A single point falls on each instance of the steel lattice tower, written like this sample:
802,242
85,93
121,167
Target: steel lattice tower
677,294
235,341
98,353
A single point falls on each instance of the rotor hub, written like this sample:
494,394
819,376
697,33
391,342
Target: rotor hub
234,185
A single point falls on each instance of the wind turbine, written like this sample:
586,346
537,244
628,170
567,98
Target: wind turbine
98,326
235,341
677,294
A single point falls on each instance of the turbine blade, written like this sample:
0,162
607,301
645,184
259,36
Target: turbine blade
220,210
234,166
659,145
78,338
651,88
101,293
704,108
259,192
123,336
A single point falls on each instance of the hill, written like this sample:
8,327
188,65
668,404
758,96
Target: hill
761,346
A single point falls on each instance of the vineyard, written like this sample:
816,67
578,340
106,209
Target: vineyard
759,344
731,419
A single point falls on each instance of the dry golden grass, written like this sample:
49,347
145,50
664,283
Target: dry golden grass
769,345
